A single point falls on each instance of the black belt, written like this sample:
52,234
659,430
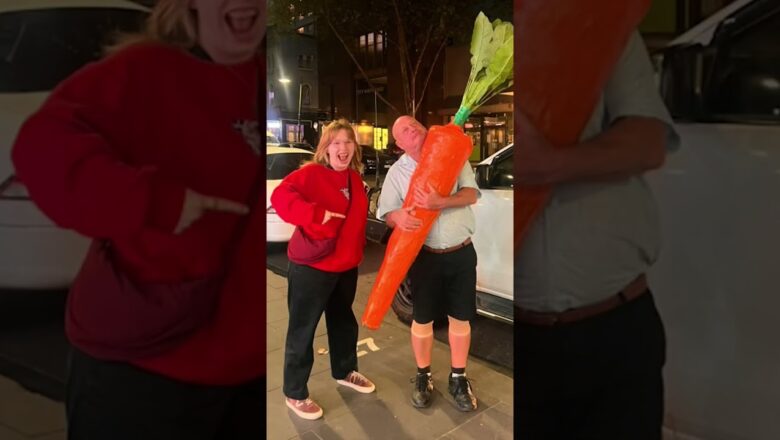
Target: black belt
449,249
632,291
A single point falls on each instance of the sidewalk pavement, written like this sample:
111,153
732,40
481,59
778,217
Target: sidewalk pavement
25,415
385,357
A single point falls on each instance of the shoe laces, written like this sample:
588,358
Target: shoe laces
421,381
305,402
463,383
357,378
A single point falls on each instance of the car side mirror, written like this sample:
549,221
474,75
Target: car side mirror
482,175
748,91
683,81
503,180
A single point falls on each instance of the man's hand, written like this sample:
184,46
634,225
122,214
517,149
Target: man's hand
329,215
428,199
404,219
536,159
197,204
629,147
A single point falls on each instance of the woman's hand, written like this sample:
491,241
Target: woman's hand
196,204
329,215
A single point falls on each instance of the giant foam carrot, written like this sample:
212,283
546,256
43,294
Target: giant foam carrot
568,49
445,150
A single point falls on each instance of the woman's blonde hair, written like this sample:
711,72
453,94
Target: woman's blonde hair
171,22
328,133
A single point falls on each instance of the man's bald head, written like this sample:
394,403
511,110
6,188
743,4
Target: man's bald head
409,135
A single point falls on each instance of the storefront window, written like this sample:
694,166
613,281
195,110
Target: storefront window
291,132
489,133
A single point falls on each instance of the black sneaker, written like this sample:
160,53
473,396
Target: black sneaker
423,389
460,389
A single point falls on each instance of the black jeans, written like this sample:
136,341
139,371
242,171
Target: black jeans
117,401
597,379
310,292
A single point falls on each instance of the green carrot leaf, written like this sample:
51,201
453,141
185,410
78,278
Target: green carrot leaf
492,64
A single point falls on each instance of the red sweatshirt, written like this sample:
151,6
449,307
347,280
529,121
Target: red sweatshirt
110,154
302,199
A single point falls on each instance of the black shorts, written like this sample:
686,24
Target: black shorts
444,284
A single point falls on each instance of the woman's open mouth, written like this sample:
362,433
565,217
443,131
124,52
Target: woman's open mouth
241,20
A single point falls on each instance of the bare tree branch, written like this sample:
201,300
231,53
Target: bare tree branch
430,70
413,30
424,48
357,64
405,61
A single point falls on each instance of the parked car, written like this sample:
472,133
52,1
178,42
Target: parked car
281,161
374,160
41,43
271,140
394,150
493,240
716,279
300,145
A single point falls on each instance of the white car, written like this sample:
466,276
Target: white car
494,237
280,162
41,43
493,241
716,281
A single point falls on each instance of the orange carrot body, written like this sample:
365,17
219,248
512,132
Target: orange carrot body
566,52
444,152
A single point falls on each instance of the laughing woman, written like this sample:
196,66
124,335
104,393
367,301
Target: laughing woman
326,202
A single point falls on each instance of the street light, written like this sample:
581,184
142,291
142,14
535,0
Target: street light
300,101
286,81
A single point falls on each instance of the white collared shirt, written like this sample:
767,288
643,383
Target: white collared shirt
453,225
593,238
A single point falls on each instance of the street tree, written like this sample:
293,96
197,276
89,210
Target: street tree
418,30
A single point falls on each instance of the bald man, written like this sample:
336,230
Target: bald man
444,276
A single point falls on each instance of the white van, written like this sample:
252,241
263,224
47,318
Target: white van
493,240
716,282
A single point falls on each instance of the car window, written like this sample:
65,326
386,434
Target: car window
40,48
745,77
271,139
503,174
278,166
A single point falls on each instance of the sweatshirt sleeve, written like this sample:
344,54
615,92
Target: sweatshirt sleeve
291,205
68,156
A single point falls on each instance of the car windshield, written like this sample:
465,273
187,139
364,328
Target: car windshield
40,48
278,166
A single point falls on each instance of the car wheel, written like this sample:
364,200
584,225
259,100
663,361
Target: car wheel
402,303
